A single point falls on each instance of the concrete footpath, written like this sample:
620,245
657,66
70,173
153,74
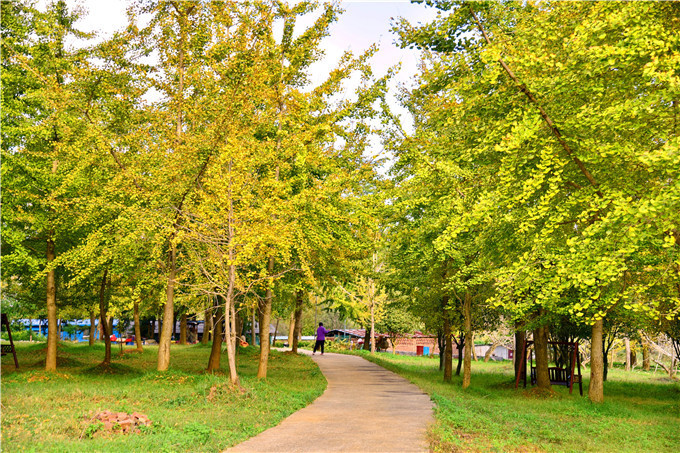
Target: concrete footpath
364,409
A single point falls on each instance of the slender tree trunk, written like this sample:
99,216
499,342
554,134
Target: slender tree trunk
183,329
216,351
93,328
372,325
645,355
441,342
469,343
520,338
231,346
168,314
138,327
605,358
52,333
474,351
276,331
626,341
253,336
489,352
230,306
207,325
448,342
104,325
461,348
291,330
367,339
265,318
542,361
596,388
298,319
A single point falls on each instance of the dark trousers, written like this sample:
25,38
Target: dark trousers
319,344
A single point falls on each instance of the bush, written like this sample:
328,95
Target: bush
23,335
338,345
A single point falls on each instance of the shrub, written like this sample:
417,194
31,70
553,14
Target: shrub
23,335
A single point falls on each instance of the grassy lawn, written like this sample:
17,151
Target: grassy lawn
190,409
641,412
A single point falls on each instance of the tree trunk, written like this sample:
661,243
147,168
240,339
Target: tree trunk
489,352
93,328
52,334
207,325
276,331
138,327
265,318
520,338
291,329
626,341
253,336
230,305
372,325
469,343
168,314
216,350
183,329
605,360
596,388
104,325
441,342
461,348
474,351
298,319
448,342
367,339
231,342
645,355
541,350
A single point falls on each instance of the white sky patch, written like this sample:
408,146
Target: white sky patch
363,24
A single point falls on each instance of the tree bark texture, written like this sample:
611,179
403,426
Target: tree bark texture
265,318
52,334
93,328
291,329
216,350
596,387
298,319
520,338
183,329
207,324
168,314
626,341
469,343
138,327
645,355
448,341
489,352
541,351
103,322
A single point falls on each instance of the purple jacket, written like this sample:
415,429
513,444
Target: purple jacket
321,333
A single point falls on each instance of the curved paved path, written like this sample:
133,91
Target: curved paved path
365,408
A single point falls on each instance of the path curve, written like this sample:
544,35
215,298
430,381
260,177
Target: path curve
365,408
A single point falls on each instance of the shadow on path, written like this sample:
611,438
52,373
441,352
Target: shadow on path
365,408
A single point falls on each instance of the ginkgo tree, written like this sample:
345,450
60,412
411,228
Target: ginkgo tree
572,134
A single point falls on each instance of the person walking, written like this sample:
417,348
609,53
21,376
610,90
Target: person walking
320,338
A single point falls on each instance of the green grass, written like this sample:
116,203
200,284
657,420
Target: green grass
641,411
191,410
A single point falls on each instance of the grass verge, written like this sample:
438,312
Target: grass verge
191,410
641,411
